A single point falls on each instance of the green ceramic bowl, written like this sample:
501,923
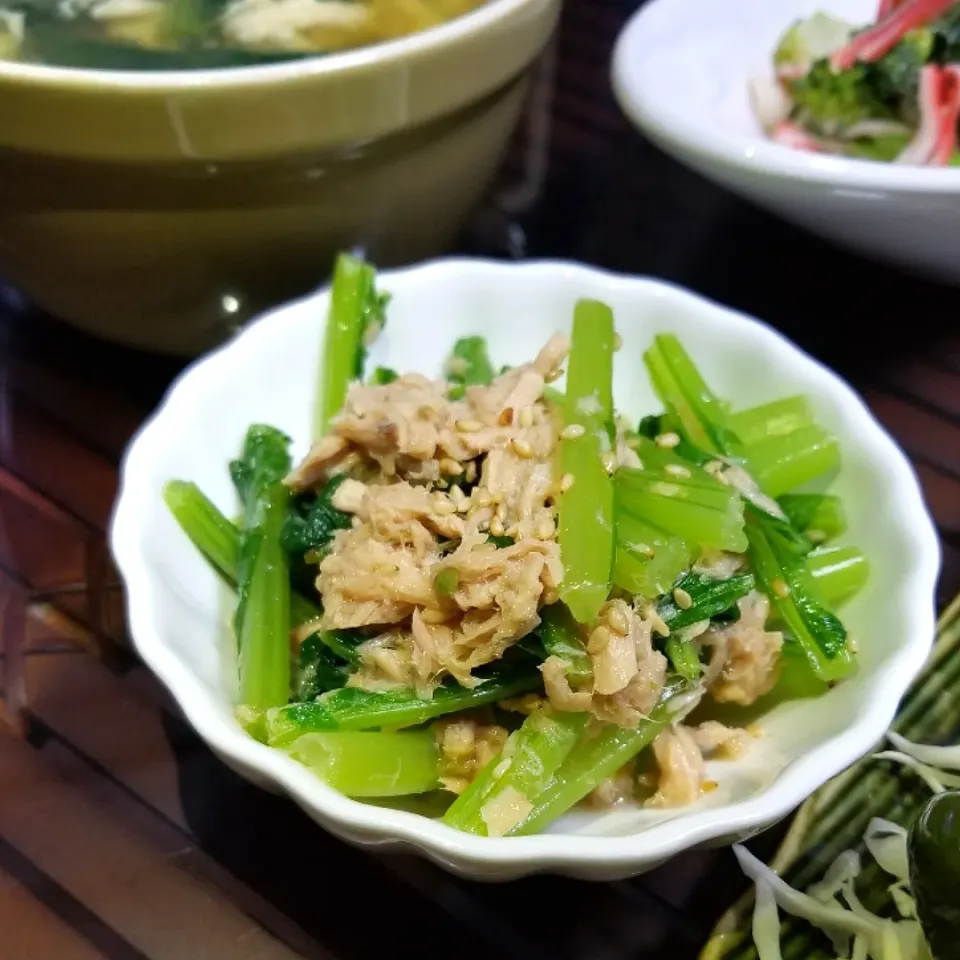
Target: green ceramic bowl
162,209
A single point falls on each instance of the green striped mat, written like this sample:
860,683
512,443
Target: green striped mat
835,817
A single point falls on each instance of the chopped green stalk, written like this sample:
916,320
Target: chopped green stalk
208,529
383,375
648,559
697,597
785,579
702,416
594,758
784,463
264,631
775,419
354,318
371,764
838,573
469,365
218,539
351,708
501,796
820,517
560,637
446,582
709,514
586,509
683,656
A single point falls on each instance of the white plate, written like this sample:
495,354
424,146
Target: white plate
680,72
178,610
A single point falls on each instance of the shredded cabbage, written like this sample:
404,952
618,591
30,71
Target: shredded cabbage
832,904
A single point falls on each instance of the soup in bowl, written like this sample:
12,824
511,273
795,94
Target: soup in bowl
162,205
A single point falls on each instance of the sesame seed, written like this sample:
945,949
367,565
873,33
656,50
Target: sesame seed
566,482
471,473
618,620
633,442
645,549
553,375
513,532
481,498
817,536
656,621
676,470
666,489
496,527
572,432
526,417
506,417
523,448
668,440
450,467
610,462
713,467
617,341
469,426
457,366
545,528
443,506
780,588
456,494
682,599
708,786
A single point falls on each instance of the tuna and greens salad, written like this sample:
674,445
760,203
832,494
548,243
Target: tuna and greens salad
494,590
888,91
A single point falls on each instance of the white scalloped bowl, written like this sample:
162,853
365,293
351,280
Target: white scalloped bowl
177,607
680,72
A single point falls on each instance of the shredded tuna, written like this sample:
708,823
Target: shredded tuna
466,747
682,775
614,790
718,740
628,674
746,656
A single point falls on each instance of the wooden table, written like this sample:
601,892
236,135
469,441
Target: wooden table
122,837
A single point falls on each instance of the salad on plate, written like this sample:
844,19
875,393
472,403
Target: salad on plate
888,91
491,595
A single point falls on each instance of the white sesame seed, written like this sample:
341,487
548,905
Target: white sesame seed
666,489
553,375
618,620
656,621
566,482
456,494
523,448
817,536
610,462
682,599
676,470
573,431
443,506
545,529
481,498
471,472
713,467
513,531
506,417
526,417
496,527
668,440
780,588
450,467
469,426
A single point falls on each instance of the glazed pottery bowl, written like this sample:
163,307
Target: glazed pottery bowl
162,210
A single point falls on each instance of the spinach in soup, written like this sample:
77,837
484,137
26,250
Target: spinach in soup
203,34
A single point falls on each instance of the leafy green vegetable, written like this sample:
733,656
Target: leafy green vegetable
884,149
895,77
493,803
828,101
371,764
264,462
704,597
782,571
356,315
560,636
469,365
819,516
318,669
586,533
311,524
381,376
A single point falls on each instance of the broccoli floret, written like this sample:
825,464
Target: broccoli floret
896,76
828,101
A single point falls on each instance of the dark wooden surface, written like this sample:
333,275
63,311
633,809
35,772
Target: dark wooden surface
122,837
